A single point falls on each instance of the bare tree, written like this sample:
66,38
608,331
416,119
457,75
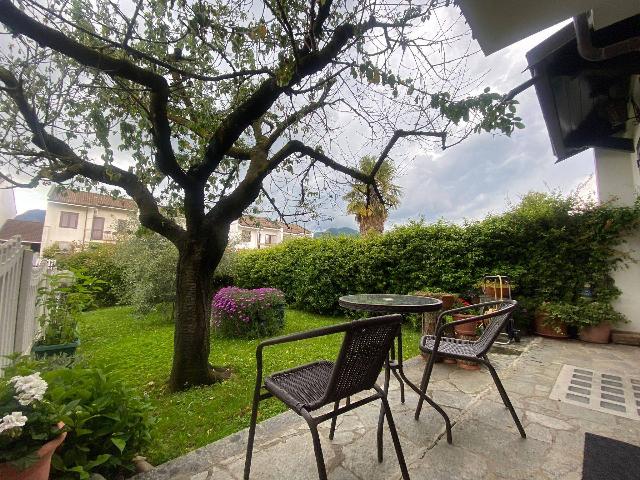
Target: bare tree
191,105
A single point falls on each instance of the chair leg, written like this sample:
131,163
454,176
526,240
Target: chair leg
401,382
505,397
317,447
385,389
424,383
394,437
252,434
332,430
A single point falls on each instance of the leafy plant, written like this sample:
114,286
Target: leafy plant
96,260
107,423
236,312
559,313
28,419
592,313
62,299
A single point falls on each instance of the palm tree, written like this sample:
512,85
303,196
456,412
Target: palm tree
370,212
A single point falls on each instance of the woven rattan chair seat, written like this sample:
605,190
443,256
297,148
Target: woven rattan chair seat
450,346
301,387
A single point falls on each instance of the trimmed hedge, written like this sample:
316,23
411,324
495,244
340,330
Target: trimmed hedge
550,246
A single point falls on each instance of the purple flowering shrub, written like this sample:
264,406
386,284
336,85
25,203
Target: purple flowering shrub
236,312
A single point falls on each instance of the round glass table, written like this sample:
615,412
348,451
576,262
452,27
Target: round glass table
384,303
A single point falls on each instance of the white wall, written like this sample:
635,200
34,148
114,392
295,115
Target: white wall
618,180
7,203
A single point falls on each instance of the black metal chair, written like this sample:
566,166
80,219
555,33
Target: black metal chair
308,387
496,317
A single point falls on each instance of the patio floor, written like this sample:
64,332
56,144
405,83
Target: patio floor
486,444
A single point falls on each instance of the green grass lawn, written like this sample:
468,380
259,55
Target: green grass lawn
139,348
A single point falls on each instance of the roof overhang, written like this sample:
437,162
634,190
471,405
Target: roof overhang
496,24
585,103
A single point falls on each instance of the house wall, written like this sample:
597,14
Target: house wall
7,203
618,180
53,233
235,236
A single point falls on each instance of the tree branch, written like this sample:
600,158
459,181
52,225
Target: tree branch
21,23
398,134
69,165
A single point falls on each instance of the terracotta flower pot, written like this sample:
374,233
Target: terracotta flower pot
447,301
39,470
466,329
467,364
596,333
450,361
545,329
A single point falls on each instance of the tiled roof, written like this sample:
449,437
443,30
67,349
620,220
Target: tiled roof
30,232
90,199
261,222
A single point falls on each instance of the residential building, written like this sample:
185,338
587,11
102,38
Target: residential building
258,232
587,79
30,232
7,202
83,217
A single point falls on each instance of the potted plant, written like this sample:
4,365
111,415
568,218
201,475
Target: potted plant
61,300
30,429
552,318
594,321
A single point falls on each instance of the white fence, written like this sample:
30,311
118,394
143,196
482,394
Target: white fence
20,280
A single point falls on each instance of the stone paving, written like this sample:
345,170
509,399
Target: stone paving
486,443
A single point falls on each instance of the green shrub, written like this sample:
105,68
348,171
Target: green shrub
107,423
236,312
549,245
96,260
148,262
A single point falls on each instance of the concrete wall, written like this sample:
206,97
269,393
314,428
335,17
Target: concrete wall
53,233
618,180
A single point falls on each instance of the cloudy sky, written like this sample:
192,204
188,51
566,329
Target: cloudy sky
479,176
485,172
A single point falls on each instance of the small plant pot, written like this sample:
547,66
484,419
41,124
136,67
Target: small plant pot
545,329
39,470
596,333
467,364
42,351
466,329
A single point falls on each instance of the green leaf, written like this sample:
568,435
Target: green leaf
119,442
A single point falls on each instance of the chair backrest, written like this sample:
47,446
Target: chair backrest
494,322
364,349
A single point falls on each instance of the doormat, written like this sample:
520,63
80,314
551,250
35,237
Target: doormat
601,391
609,459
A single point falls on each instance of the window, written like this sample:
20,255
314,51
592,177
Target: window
97,229
121,226
245,236
269,238
68,220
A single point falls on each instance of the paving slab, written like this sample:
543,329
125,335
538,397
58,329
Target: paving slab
486,443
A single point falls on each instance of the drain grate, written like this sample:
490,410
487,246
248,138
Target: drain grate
604,392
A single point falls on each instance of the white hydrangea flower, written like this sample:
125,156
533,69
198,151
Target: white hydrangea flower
15,420
29,388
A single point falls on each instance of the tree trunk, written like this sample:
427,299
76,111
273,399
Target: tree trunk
371,223
197,261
